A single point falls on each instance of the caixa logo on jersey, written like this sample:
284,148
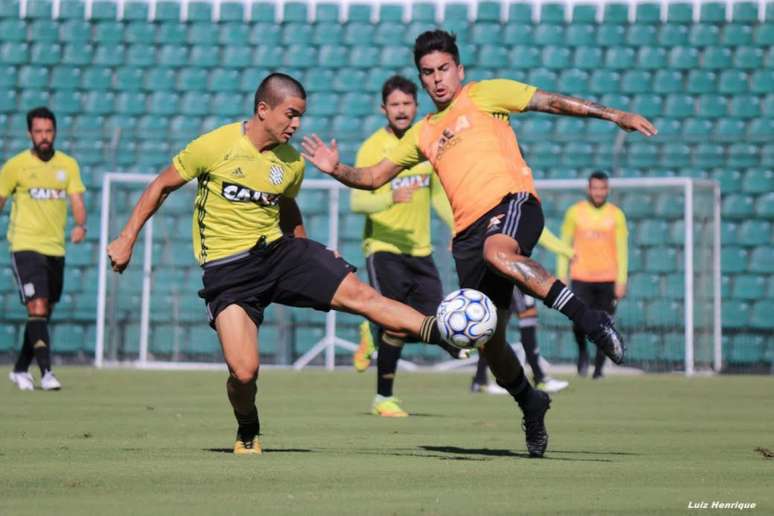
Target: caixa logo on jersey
238,193
410,181
47,194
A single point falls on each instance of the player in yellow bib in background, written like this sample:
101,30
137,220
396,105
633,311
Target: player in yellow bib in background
597,230
497,214
396,239
40,181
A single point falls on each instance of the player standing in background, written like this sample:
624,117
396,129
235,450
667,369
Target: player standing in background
597,230
396,238
525,308
497,214
249,238
40,180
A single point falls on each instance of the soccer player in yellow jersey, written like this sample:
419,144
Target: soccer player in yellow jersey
40,181
597,230
497,213
249,238
396,239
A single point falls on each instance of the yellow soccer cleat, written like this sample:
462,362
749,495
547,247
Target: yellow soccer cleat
387,407
251,447
361,358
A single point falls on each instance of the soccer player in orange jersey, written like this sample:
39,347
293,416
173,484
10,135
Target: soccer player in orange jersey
497,213
597,231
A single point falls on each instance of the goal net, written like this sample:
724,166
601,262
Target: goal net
151,315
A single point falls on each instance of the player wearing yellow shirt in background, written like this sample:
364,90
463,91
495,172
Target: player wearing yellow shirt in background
250,240
597,230
497,214
523,306
41,180
396,238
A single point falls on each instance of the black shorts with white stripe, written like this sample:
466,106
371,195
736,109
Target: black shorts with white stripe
520,216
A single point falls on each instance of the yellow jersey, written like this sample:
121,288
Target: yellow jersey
40,190
473,148
239,188
402,228
600,238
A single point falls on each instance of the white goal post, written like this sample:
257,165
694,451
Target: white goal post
699,325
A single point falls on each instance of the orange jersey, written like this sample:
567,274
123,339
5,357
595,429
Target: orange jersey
599,238
473,148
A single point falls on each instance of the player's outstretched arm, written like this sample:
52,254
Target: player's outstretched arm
120,250
559,104
326,158
78,232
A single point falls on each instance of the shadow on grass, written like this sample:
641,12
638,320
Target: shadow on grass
412,414
267,450
488,452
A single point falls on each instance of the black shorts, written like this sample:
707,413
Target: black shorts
290,271
38,276
520,216
598,295
412,280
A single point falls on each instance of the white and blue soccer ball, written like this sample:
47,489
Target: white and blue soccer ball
466,318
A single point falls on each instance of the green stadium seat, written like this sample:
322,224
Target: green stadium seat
357,33
329,33
733,82
327,13
652,232
604,81
735,315
762,81
13,30
160,79
704,35
556,57
672,35
712,12
708,155
230,104
762,261
542,78
701,81
486,34
167,10
643,285
139,32
297,33
263,12
104,10
423,12
745,12
206,56
332,56
167,55
763,35
663,313
573,82
44,31
177,33
32,77
39,9
199,12
66,101
745,348
45,53
729,129
764,206
109,55
549,34
232,12
517,34
683,58
733,259
679,106
363,57
587,58
742,154
65,77
74,31
616,13
744,106
128,78
754,232
712,106
636,81
520,12
760,129
222,79
133,10
611,35
648,13
388,33
108,32
736,35
9,9
130,103
652,58
580,35
153,126
661,259
680,13
667,81
351,82
552,12
521,57
761,315
265,34
675,154
199,34
749,287
14,53
489,11
195,103
322,104
99,102
242,56
145,55
492,56
716,58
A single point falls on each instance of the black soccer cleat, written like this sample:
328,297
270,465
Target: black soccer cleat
534,424
601,331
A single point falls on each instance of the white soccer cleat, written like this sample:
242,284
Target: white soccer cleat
22,380
49,382
551,385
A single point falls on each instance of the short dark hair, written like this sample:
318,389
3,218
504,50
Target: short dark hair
275,88
599,174
40,112
436,41
398,82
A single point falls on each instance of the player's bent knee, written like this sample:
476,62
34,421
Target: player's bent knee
245,375
38,308
353,295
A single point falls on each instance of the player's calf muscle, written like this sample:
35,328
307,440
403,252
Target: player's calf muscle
525,271
356,297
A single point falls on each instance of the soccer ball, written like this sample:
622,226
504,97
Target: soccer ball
466,318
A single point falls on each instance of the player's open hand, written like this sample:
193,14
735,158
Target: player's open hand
633,122
324,157
120,252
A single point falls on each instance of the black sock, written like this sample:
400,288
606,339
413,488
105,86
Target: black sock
519,388
580,339
249,424
561,298
26,355
37,333
529,343
481,377
386,365
429,331
599,362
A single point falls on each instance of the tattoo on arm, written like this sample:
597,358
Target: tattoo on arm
528,274
559,104
354,177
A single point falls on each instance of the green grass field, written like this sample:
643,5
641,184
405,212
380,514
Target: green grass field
136,442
